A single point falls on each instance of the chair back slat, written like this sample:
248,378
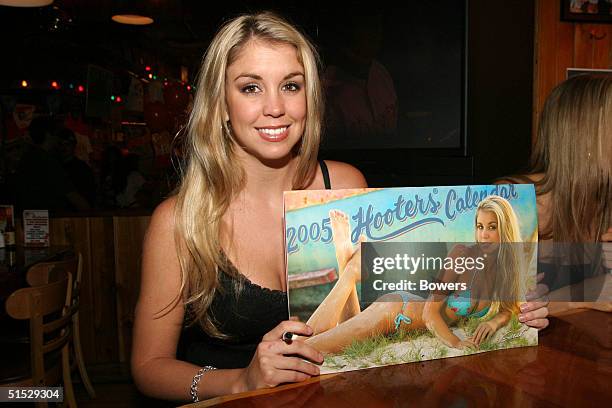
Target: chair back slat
45,272
57,342
57,324
52,298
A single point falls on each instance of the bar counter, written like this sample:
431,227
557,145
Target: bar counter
572,366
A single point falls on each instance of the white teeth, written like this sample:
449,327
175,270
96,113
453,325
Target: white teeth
273,132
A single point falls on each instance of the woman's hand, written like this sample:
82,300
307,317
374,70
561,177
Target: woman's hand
534,312
276,362
483,332
466,344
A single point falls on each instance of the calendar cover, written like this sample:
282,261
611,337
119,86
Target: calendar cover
398,275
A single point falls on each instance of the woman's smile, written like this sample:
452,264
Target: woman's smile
274,134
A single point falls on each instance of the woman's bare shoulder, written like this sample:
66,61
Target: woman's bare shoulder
344,175
160,233
160,264
163,215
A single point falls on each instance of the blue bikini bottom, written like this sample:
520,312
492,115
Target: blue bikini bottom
406,297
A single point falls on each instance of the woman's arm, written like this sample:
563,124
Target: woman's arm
432,316
158,325
435,305
487,329
159,319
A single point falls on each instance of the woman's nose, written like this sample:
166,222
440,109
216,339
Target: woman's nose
274,105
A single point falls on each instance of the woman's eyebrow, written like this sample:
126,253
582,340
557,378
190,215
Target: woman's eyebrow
247,75
259,78
293,74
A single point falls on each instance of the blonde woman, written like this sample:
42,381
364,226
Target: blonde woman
571,167
491,294
213,304
213,270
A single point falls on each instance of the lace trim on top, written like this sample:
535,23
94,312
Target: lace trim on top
250,285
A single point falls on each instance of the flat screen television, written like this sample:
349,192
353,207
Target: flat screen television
394,75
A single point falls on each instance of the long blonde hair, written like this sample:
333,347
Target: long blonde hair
509,279
574,151
212,178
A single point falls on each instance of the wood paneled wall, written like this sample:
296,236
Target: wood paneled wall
111,248
560,45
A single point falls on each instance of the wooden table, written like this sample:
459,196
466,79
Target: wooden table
572,366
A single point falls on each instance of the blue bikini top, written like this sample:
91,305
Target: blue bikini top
460,302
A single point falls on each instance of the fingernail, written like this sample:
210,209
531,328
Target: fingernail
309,330
523,307
522,318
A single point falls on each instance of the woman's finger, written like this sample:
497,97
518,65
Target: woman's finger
299,348
538,323
287,326
296,348
540,313
532,306
484,335
468,343
481,334
476,335
296,364
487,334
289,376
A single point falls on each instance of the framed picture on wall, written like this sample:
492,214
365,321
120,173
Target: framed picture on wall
591,11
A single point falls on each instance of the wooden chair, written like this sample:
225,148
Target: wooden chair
40,274
50,334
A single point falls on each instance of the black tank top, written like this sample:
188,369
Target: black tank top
245,316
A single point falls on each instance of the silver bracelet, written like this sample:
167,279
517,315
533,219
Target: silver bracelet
196,379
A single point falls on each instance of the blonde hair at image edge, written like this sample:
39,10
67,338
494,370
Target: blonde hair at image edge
509,274
211,178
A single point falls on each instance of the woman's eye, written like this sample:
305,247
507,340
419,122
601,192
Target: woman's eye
251,88
291,87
